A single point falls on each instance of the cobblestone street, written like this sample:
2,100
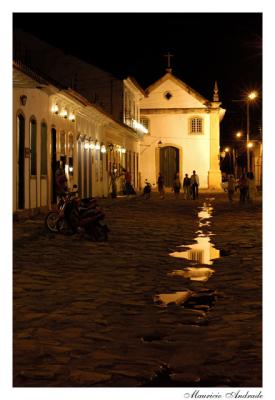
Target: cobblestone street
87,313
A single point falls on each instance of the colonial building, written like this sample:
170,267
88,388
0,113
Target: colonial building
184,133
53,124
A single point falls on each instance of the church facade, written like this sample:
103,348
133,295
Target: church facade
184,133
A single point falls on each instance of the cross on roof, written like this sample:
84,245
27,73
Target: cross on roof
168,58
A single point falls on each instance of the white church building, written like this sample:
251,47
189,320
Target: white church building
184,133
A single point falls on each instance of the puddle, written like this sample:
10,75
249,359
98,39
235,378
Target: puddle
163,300
200,300
202,252
194,274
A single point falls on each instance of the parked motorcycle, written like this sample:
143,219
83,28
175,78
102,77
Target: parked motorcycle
85,215
78,215
55,219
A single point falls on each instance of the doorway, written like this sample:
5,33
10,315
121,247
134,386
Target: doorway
21,162
53,162
169,164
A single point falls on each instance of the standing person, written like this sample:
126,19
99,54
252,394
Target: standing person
243,186
161,185
128,186
176,184
194,182
231,188
186,187
60,180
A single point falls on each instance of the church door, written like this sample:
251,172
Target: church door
169,164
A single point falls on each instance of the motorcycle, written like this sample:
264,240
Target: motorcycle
78,215
55,219
85,216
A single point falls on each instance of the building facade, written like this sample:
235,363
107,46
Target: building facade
52,124
184,133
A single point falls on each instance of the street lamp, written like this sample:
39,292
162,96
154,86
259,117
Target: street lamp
250,97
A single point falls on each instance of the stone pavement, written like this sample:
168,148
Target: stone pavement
85,313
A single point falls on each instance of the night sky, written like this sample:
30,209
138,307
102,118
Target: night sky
226,47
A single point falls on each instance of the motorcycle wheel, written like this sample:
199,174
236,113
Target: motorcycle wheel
53,222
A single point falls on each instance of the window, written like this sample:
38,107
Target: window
167,95
196,125
145,122
33,145
43,149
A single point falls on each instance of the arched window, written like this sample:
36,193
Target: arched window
43,149
33,129
196,125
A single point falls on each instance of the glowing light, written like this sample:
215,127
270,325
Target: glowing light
64,113
71,169
252,95
103,148
55,108
91,145
139,127
226,149
72,117
249,145
97,146
123,150
86,145
239,134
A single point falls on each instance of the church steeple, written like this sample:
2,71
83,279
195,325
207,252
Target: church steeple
216,92
169,69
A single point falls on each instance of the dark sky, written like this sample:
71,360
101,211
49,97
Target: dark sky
226,47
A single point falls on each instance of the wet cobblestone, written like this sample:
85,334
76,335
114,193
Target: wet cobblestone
84,312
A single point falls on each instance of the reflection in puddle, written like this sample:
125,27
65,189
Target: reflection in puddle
195,274
178,298
203,299
202,252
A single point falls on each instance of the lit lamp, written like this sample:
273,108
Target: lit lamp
97,145
249,145
123,150
239,134
227,149
72,117
86,145
55,108
103,149
250,97
64,113
92,145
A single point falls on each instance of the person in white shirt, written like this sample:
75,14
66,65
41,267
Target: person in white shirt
194,181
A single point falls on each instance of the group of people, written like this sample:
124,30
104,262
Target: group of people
245,184
190,185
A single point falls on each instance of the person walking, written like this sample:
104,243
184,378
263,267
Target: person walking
231,188
176,184
194,182
186,187
161,185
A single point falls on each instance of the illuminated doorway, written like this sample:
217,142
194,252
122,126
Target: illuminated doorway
169,164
